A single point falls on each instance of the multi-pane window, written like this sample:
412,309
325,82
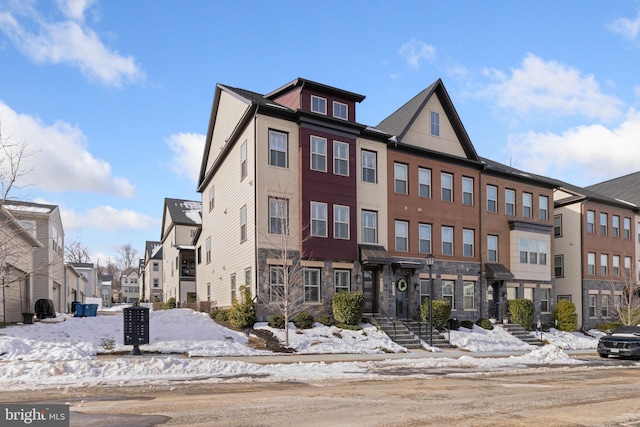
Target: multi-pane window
340,110
528,294
243,160
467,190
318,219
312,285
524,251
247,277
492,248
446,187
558,265
592,306
318,105
509,201
626,224
492,198
603,223
156,283
435,123
233,286
424,235
543,208
447,292
591,222
627,267
604,258
402,236
276,283
615,225
369,160
557,225
278,215
342,280
243,223
207,247
424,182
425,288
544,300
591,264
533,251
447,240
156,266
468,289
604,309
340,158
278,148
615,265
527,205
400,178
212,198
369,227
340,222
542,252
467,242
318,154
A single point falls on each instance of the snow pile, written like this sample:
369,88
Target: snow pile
480,340
569,340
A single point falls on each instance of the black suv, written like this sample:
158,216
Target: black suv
623,341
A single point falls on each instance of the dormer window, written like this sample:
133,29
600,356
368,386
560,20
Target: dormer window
340,110
318,105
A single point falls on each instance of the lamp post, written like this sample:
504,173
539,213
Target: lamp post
430,259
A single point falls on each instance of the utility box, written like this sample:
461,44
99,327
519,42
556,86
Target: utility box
136,327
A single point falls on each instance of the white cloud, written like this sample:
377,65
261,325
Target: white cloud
57,158
415,52
540,87
109,219
627,28
69,41
587,154
188,149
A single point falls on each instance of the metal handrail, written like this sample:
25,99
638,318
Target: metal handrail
393,321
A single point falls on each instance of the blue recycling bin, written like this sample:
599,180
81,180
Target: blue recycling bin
79,310
91,310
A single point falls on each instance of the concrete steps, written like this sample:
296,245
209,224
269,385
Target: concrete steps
407,334
521,333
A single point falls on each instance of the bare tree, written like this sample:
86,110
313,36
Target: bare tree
128,256
627,305
77,252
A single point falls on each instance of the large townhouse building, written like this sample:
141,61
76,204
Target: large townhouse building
151,272
130,286
181,222
43,221
360,207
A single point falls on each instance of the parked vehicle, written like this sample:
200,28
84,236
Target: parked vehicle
623,341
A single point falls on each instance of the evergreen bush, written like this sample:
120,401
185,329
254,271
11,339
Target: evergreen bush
348,308
565,316
171,303
276,321
467,324
441,311
485,324
326,319
303,320
242,313
522,312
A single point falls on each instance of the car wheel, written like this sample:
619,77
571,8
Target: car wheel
604,356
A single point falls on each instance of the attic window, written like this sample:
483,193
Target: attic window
435,123
318,105
340,110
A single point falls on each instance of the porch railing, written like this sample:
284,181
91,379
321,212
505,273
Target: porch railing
390,320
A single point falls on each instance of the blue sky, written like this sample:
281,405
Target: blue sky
113,97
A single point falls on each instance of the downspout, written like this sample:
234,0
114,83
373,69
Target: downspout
256,258
483,280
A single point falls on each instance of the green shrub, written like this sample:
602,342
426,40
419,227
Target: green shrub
467,324
326,319
303,320
220,314
485,324
242,313
609,326
565,316
348,308
453,323
522,312
441,311
276,321
169,304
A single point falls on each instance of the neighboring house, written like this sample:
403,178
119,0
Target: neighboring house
76,284
151,273
360,207
45,223
17,246
595,247
92,284
181,222
130,286
106,290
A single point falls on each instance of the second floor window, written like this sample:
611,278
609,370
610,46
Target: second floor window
425,238
446,185
400,178
402,236
467,191
278,148
492,248
492,198
369,227
558,265
509,202
340,158
604,267
467,242
318,219
243,223
243,160
156,266
341,222
278,215
369,160
318,154
207,249
447,240
591,264
212,198
557,225
615,265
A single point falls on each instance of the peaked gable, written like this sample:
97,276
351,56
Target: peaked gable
411,124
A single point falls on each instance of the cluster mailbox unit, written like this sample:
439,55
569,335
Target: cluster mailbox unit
136,328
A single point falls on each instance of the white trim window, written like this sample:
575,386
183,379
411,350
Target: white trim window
278,147
467,191
340,158
527,205
318,219
311,285
278,216
342,281
604,264
318,105
369,160
544,300
468,291
447,240
212,197
468,239
369,226
492,198
424,235
400,178
543,208
243,223
243,160
492,248
208,250
402,236
509,201
340,222
615,225
276,283
446,187
424,182
448,292
435,123
340,110
318,154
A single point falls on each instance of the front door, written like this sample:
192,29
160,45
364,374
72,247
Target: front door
370,290
402,307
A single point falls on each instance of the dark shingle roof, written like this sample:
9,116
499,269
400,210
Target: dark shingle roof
185,212
625,187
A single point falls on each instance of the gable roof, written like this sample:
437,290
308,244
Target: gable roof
183,212
624,188
153,249
580,194
400,121
491,166
128,271
351,96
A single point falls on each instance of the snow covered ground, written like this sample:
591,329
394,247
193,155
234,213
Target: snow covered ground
63,352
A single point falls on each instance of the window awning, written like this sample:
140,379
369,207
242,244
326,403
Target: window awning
374,254
408,263
496,271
